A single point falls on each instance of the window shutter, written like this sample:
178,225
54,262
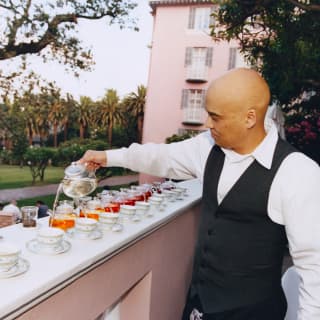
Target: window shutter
209,57
184,99
188,57
192,15
232,58
203,96
211,21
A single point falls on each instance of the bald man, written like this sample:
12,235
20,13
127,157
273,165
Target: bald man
258,195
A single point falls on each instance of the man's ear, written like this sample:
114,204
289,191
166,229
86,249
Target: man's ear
251,118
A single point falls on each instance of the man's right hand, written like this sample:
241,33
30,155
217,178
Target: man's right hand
94,159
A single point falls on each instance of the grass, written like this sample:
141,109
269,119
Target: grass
15,177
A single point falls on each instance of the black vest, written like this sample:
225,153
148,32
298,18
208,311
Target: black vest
240,249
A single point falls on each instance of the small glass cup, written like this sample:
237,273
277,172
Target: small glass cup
29,216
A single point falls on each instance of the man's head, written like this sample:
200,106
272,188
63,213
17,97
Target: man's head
236,104
39,203
14,202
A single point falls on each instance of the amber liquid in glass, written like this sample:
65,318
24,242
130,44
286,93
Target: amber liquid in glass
63,221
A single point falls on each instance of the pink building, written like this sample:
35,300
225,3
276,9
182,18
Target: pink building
184,59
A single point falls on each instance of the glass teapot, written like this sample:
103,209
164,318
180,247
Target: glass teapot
78,181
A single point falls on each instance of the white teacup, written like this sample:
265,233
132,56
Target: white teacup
50,236
170,195
108,217
85,224
179,193
142,207
127,210
155,201
9,256
108,220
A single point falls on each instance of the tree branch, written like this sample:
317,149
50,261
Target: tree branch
11,50
16,24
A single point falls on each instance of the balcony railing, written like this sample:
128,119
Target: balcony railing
193,116
197,74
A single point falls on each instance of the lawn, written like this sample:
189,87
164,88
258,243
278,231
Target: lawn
16,177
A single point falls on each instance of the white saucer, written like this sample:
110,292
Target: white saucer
20,267
93,235
35,247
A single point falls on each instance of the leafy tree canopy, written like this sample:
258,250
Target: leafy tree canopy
49,29
280,37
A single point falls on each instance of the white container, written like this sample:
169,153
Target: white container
49,236
127,210
170,195
9,256
108,218
142,207
85,224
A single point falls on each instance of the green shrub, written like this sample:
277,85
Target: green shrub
38,159
177,138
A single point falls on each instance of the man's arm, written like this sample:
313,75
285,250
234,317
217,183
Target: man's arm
180,160
301,214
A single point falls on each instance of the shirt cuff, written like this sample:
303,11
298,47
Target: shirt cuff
116,158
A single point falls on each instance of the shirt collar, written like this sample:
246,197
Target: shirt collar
264,151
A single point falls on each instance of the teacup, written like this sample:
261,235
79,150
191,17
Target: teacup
107,220
127,210
49,236
179,193
142,207
9,256
155,201
170,195
85,224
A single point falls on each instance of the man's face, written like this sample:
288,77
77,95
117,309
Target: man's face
226,123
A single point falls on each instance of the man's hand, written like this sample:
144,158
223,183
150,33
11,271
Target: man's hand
94,159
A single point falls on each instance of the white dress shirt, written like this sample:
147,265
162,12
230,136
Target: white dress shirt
294,198
11,208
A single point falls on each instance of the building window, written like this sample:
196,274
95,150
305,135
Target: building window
197,62
193,101
200,18
232,58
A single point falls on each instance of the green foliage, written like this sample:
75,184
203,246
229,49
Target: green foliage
177,138
6,156
281,38
303,128
38,159
19,147
74,149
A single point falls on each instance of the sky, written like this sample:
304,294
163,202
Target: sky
121,58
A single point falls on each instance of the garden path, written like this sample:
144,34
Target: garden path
31,192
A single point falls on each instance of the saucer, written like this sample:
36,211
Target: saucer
20,267
35,247
93,235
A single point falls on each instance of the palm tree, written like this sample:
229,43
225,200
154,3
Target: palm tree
84,113
69,106
56,117
134,103
109,107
